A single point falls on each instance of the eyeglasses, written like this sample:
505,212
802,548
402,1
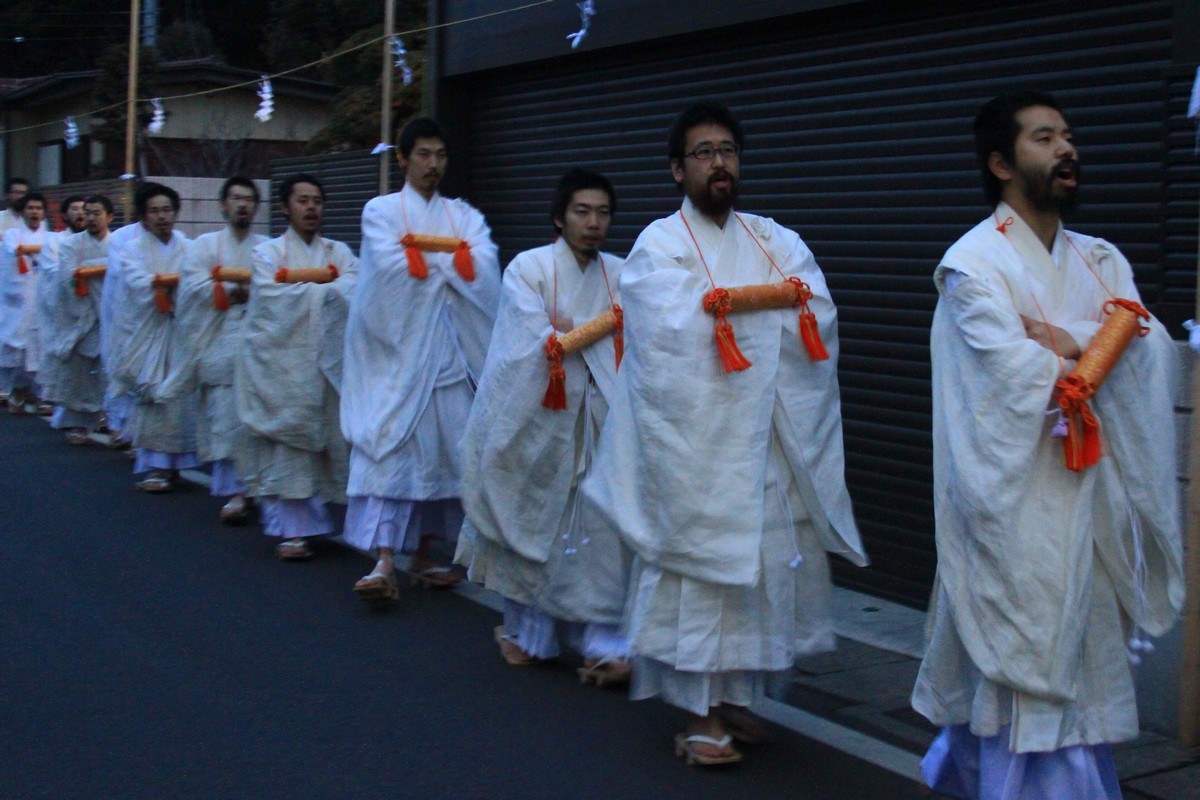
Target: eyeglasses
706,152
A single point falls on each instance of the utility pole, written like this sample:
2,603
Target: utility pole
131,109
385,81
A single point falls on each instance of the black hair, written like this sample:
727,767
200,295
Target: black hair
19,204
244,182
100,199
13,182
576,180
419,128
149,190
66,203
703,112
996,131
289,185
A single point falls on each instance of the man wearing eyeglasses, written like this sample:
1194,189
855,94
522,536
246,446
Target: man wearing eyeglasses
721,461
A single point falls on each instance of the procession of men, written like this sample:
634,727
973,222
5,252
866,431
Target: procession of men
643,456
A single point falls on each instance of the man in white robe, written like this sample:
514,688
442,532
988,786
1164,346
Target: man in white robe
728,486
525,536
1044,572
415,346
14,190
20,324
74,346
289,374
210,314
145,341
71,210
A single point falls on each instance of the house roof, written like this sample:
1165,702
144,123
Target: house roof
61,85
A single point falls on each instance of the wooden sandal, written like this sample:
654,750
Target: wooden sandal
378,587
685,748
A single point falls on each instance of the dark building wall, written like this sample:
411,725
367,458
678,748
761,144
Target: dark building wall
858,122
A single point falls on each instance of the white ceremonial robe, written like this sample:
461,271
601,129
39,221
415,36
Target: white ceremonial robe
215,335
73,344
45,302
729,487
1037,565
289,372
525,536
145,342
415,349
20,323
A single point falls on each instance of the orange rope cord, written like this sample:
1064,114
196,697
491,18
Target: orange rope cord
81,275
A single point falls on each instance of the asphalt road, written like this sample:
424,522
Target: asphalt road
147,651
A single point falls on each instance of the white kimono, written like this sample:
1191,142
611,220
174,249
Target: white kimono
45,302
415,348
728,487
525,536
145,342
289,372
1038,565
20,324
73,345
216,336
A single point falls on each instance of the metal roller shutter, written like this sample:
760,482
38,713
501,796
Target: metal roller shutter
858,126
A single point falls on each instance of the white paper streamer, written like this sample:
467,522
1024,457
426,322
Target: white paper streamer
402,60
71,136
267,107
159,118
1193,335
1194,107
381,148
587,10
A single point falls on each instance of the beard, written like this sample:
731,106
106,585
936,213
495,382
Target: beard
715,202
1045,194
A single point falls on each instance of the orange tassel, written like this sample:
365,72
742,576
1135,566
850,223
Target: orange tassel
717,303
220,299
416,260
333,273
464,263
556,389
810,332
619,334
22,267
162,303
81,287
810,335
1081,447
281,275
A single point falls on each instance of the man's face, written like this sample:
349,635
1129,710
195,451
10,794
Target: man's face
34,213
304,208
97,219
73,216
425,165
159,218
239,207
1046,171
15,193
585,222
711,184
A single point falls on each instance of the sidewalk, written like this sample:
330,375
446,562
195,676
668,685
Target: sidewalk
865,684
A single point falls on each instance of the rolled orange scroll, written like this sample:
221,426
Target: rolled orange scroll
1081,447
786,294
315,275
416,244
160,284
82,274
26,250
590,332
220,275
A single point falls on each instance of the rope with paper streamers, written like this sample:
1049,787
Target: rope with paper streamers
316,62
